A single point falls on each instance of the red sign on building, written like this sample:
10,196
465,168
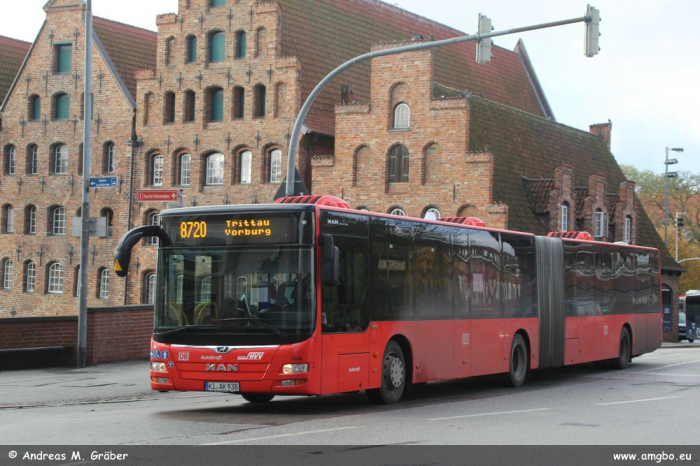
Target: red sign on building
156,195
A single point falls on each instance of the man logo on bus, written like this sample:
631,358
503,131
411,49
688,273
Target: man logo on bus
252,357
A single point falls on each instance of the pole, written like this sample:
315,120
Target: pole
294,139
676,236
133,142
666,203
85,211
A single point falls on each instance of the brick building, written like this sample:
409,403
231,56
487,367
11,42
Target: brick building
41,143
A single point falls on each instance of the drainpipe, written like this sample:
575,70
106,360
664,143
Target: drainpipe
133,142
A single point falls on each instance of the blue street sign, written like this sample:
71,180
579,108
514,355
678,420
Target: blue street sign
109,182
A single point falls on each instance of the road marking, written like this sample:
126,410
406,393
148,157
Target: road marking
490,414
255,439
637,401
666,374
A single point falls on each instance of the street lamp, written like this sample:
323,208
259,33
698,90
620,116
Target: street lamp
669,175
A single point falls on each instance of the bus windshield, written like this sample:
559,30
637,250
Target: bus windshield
235,296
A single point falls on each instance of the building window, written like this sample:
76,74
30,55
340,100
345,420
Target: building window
30,220
190,101
104,284
148,103
398,164
601,226
153,219
157,170
185,169
246,166
432,214
55,278
564,217
109,220
58,221
9,219
261,43
169,110
215,169
150,288
62,106
217,47
63,58
30,277
178,291
280,100
191,49
240,44
33,165
7,275
628,230
276,166
215,3
60,160
216,102
110,158
398,211
238,102
11,164
402,116
170,51
35,108
259,101
205,290
241,287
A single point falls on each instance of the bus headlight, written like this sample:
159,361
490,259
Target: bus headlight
158,367
295,368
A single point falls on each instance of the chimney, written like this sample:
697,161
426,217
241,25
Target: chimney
603,130
347,95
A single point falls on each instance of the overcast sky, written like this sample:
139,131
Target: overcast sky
645,78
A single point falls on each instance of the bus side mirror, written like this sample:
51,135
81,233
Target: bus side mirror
122,253
330,261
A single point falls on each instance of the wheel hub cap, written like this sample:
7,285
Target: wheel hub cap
396,372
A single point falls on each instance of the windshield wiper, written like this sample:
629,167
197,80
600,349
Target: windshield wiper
259,321
186,327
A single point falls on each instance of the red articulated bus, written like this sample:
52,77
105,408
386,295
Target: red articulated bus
309,297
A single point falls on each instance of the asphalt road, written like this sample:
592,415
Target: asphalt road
654,402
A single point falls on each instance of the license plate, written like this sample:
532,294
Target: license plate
221,387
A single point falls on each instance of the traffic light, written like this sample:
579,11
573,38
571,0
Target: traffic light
679,222
592,31
483,46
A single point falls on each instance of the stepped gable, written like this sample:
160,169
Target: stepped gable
12,55
524,145
325,33
130,48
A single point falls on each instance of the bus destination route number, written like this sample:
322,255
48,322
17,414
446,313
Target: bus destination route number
193,229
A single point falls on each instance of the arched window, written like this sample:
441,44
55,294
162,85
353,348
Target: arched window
241,287
259,93
397,211
153,219
150,286
170,51
55,284
169,107
157,170
240,44
398,164
185,169
60,159
35,108
432,214
11,160
9,215
432,172
238,102
191,49
30,220
110,158
275,166
402,116
61,106
215,169
190,102
29,277
628,230
58,221
564,217
7,274
216,104
261,43
33,160
246,166
104,284
217,47
109,219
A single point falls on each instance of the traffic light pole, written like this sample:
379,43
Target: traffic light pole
679,224
591,18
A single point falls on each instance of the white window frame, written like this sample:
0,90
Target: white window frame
104,284
9,219
157,165
276,166
246,166
7,274
61,160
628,230
215,170
111,161
12,160
35,161
205,290
154,220
564,218
58,221
55,278
151,288
600,224
185,169
32,220
434,211
31,277
402,116
398,211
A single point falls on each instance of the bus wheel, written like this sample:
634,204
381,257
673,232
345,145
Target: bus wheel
518,361
393,377
623,360
257,397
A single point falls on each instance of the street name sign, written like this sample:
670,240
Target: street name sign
108,182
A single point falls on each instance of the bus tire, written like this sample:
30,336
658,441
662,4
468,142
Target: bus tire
623,360
257,397
518,361
393,376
